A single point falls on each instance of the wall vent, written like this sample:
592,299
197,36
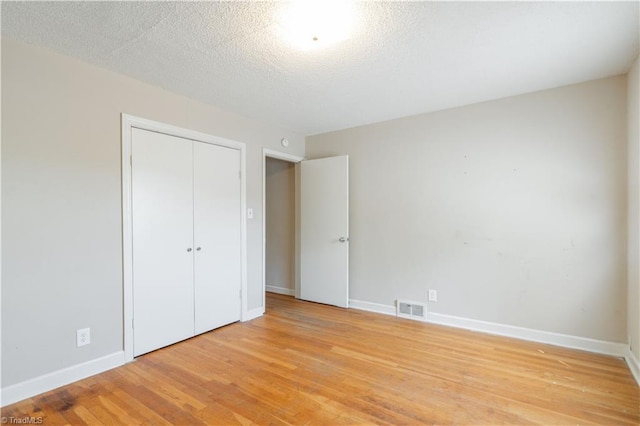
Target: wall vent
411,310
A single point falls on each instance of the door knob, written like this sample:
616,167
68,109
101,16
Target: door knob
343,239
198,248
189,250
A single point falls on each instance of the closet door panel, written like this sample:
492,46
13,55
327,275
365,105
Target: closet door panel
217,236
162,189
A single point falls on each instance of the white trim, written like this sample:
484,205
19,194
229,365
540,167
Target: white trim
280,290
280,156
547,337
563,340
53,380
129,122
1,275
253,314
378,308
633,364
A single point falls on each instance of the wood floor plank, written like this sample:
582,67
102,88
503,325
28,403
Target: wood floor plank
305,363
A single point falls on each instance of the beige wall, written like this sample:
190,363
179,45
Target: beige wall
633,135
280,224
514,210
61,201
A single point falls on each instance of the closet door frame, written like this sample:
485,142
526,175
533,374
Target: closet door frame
130,122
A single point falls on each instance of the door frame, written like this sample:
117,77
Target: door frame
128,123
269,153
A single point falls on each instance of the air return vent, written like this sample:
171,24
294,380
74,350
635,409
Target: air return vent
411,310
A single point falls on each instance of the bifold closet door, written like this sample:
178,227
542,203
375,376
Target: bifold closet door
217,219
162,219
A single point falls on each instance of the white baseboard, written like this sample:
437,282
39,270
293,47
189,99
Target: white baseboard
378,308
547,337
633,364
50,381
253,314
564,340
280,290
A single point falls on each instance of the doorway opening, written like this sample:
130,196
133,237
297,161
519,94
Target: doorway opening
320,261
280,224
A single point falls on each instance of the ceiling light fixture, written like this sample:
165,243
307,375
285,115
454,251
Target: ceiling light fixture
312,24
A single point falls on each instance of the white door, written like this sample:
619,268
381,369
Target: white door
217,215
324,230
162,210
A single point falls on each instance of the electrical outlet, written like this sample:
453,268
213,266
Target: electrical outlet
433,295
249,213
83,337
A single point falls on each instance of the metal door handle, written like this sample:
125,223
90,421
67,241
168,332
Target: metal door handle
189,249
198,248
343,239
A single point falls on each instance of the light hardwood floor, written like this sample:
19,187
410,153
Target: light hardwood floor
304,363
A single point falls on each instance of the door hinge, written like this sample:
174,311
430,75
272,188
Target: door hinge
132,323
240,174
240,293
131,160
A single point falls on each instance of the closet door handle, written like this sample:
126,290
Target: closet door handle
189,250
199,248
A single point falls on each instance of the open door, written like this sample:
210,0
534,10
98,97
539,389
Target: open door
324,231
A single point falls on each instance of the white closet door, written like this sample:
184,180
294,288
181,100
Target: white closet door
217,236
162,194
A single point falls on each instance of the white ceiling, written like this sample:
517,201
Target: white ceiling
404,58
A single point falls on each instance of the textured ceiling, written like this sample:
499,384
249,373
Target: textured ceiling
403,58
